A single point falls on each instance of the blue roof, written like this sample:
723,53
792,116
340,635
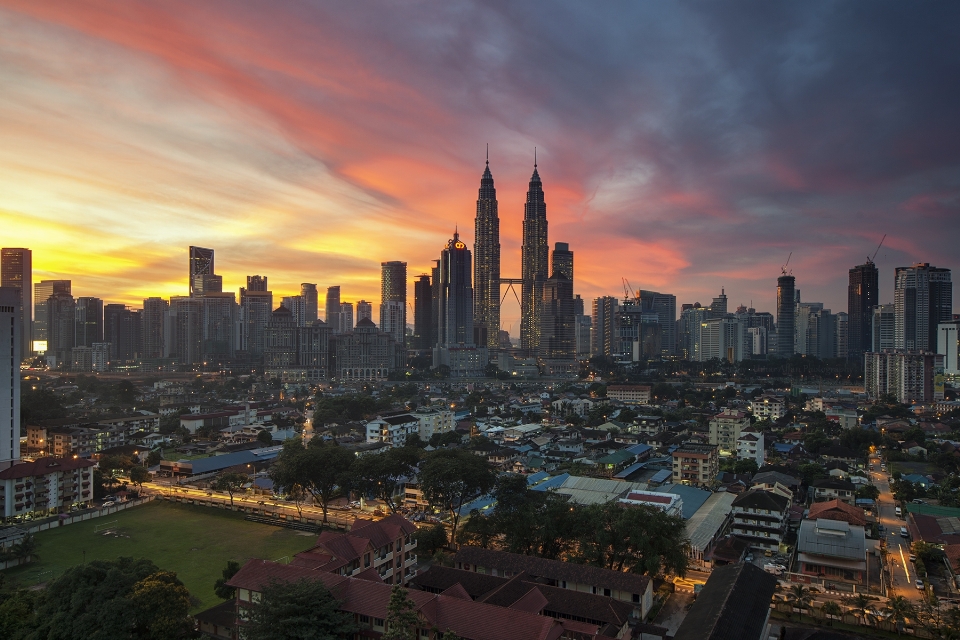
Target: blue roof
865,502
553,482
916,478
661,476
783,447
534,478
218,463
692,497
639,449
631,469
482,504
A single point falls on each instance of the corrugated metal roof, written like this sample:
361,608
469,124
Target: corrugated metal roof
631,469
704,524
661,476
551,483
693,498
536,478
831,538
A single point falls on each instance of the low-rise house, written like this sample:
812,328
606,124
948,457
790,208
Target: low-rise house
760,517
45,486
831,489
768,481
833,550
625,587
629,393
837,510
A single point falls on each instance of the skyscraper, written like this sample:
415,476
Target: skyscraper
882,328
45,290
534,264
346,317
719,304
122,328
424,328
562,261
455,324
16,272
256,309
923,297
203,278
862,292
154,319
11,299
486,254
665,306
603,323
308,291
557,326
333,308
89,320
61,313
364,310
786,309
393,300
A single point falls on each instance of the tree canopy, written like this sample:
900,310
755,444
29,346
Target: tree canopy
450,478
378,475
300,610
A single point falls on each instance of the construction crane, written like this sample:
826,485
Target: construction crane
783,269
628,293
878,248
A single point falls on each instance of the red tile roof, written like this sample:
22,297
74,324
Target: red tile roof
44,466
837,510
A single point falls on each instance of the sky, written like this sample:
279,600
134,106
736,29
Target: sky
684,146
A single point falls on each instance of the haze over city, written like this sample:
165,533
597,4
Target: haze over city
685,147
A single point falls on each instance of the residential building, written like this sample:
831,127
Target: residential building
535,254
45,486
308,291
393,301
948,345
734,604
695,464
89,321
393,430
16,272
721,338
837,510
834,489
346,317
862,292
750,447
883,326
155,313
923,298
424,326
603,325
486,273
833,550
43,291
122,328
432,420
184,330
256,309
768,407
10,358
625,587
909,376
691,322
786,301
725,430
332,315
761,518
364,310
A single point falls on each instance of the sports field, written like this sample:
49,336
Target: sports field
195,542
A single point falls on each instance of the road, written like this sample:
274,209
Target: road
898,549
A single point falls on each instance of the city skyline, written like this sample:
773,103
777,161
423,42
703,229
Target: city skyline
686,176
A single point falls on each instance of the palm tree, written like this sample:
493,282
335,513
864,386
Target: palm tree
831,608
860,603
899,609
799,596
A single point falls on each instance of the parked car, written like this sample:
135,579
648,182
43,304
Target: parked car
913,557
919,584
904,533
899,512
918,501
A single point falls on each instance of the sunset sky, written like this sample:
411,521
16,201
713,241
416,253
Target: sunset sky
684,146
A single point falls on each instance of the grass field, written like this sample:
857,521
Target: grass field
195,542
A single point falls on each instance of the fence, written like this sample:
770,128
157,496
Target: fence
266,514
65,518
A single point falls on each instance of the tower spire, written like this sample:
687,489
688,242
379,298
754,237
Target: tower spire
534,157
488,153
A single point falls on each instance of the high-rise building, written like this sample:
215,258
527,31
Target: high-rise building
557,323
883,326
603,325
665,306
803,318
346,317
562,261
11,324
948,345
424,328
721,338
154,318
220,316
89,321
280,340
909,376
332,315
862,292
842,340
690,329
44,290
256,309
61,327
923,297
455,347
719,304
486,256
16,272
364,353
202,277
393,300
534,264
308,291
786,310
582,323
122,329
184,327
364,310
295,305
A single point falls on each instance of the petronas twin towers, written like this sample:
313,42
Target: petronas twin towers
534,270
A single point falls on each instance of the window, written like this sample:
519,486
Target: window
366,561
364,619
636,597
606,592
378,622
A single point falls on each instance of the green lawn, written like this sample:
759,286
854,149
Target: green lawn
195,542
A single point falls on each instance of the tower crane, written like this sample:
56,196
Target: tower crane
878,248
783,269
628,293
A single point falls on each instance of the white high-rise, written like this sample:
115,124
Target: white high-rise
11,324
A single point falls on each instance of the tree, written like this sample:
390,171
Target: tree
139,475
112,599
17,618
230,483
220,587
160,604
431,539
799,597
899,609
868,491
379,475
265,438
301,610
831,608
930,615
449,478
860,603
401,620
288,474
153,458
326,469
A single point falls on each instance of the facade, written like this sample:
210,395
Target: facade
364,310
433,421
10,356
202,276
16,272
883,328
486,255
313,349
346,317
761,518
280,340
786,300
721,338
603,326
89,321
908,376
424,326
122,328
45,486
43,291
638,334
725,430
629,393
393,300
392,430
695,464
948,345
364,354
535,255
750,447
862,292
923,298
61,326
664,305
220,315
184,330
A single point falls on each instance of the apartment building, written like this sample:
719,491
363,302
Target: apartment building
45,486
725,430
760,518
768,408
629,393
695,464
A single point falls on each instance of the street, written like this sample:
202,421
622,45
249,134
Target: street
898,549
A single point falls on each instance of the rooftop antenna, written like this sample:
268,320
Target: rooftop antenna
783,269
488,153
534,157
878,248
